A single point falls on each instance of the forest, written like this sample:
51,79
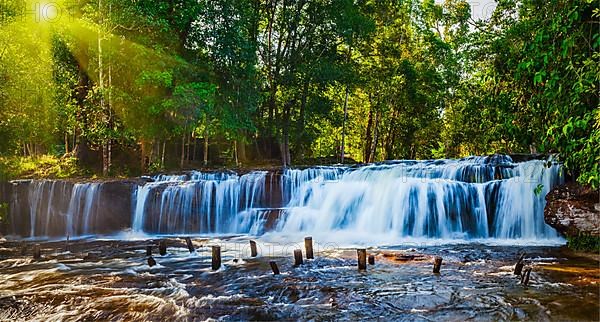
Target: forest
127,87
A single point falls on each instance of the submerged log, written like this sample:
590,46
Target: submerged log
274,267
437,264
216,257
371,259
151,261
308,244
189,244
37,252
162,247
519,265
362,258
298,257
253,250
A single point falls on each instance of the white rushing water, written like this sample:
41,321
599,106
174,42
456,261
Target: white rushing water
197,203
58,208
474,198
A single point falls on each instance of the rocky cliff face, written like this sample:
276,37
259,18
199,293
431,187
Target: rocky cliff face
572,210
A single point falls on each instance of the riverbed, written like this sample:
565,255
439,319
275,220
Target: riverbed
110,279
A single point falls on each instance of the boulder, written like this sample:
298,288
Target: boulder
572,210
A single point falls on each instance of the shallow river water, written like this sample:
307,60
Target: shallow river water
109,279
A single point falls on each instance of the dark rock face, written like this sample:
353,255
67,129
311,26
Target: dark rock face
571,209
115,206
5,196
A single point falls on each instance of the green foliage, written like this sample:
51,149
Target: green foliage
45,166
583,242
420,79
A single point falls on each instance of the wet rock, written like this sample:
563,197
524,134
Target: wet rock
570,209
115,210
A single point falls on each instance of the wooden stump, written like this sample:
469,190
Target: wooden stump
308,244
298,257
67,244
371,259
151,261
437,264
162,247
37,252
253,251
519,265
149,250
189,244
24,249
274,267
362,258
216,257
525,276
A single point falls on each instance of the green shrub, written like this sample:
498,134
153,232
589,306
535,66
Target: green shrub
584,242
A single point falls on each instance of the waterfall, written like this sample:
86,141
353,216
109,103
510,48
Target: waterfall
197,202
56,208
83,210
44,206
468,199
471,198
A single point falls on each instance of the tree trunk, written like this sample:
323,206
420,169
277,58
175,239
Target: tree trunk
372,156
143,158
285,140
235,153
109,111
241,151
206,147
162,157
343,152
181,162
193,155
189,144
301,120
66,142
101,85
368,138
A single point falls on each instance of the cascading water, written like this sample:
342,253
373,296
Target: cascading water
57,208
472,198
198,202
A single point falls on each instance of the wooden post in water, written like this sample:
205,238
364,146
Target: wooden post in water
189,244
525,276
149,250
371,259
437,264
519,265
253,251
274,267
37,252
216,257
298,257
162,247
308,244
67,244
362,258
151,261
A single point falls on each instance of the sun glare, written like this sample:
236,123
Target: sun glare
47,11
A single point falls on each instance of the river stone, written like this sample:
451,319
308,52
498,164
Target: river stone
571,210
